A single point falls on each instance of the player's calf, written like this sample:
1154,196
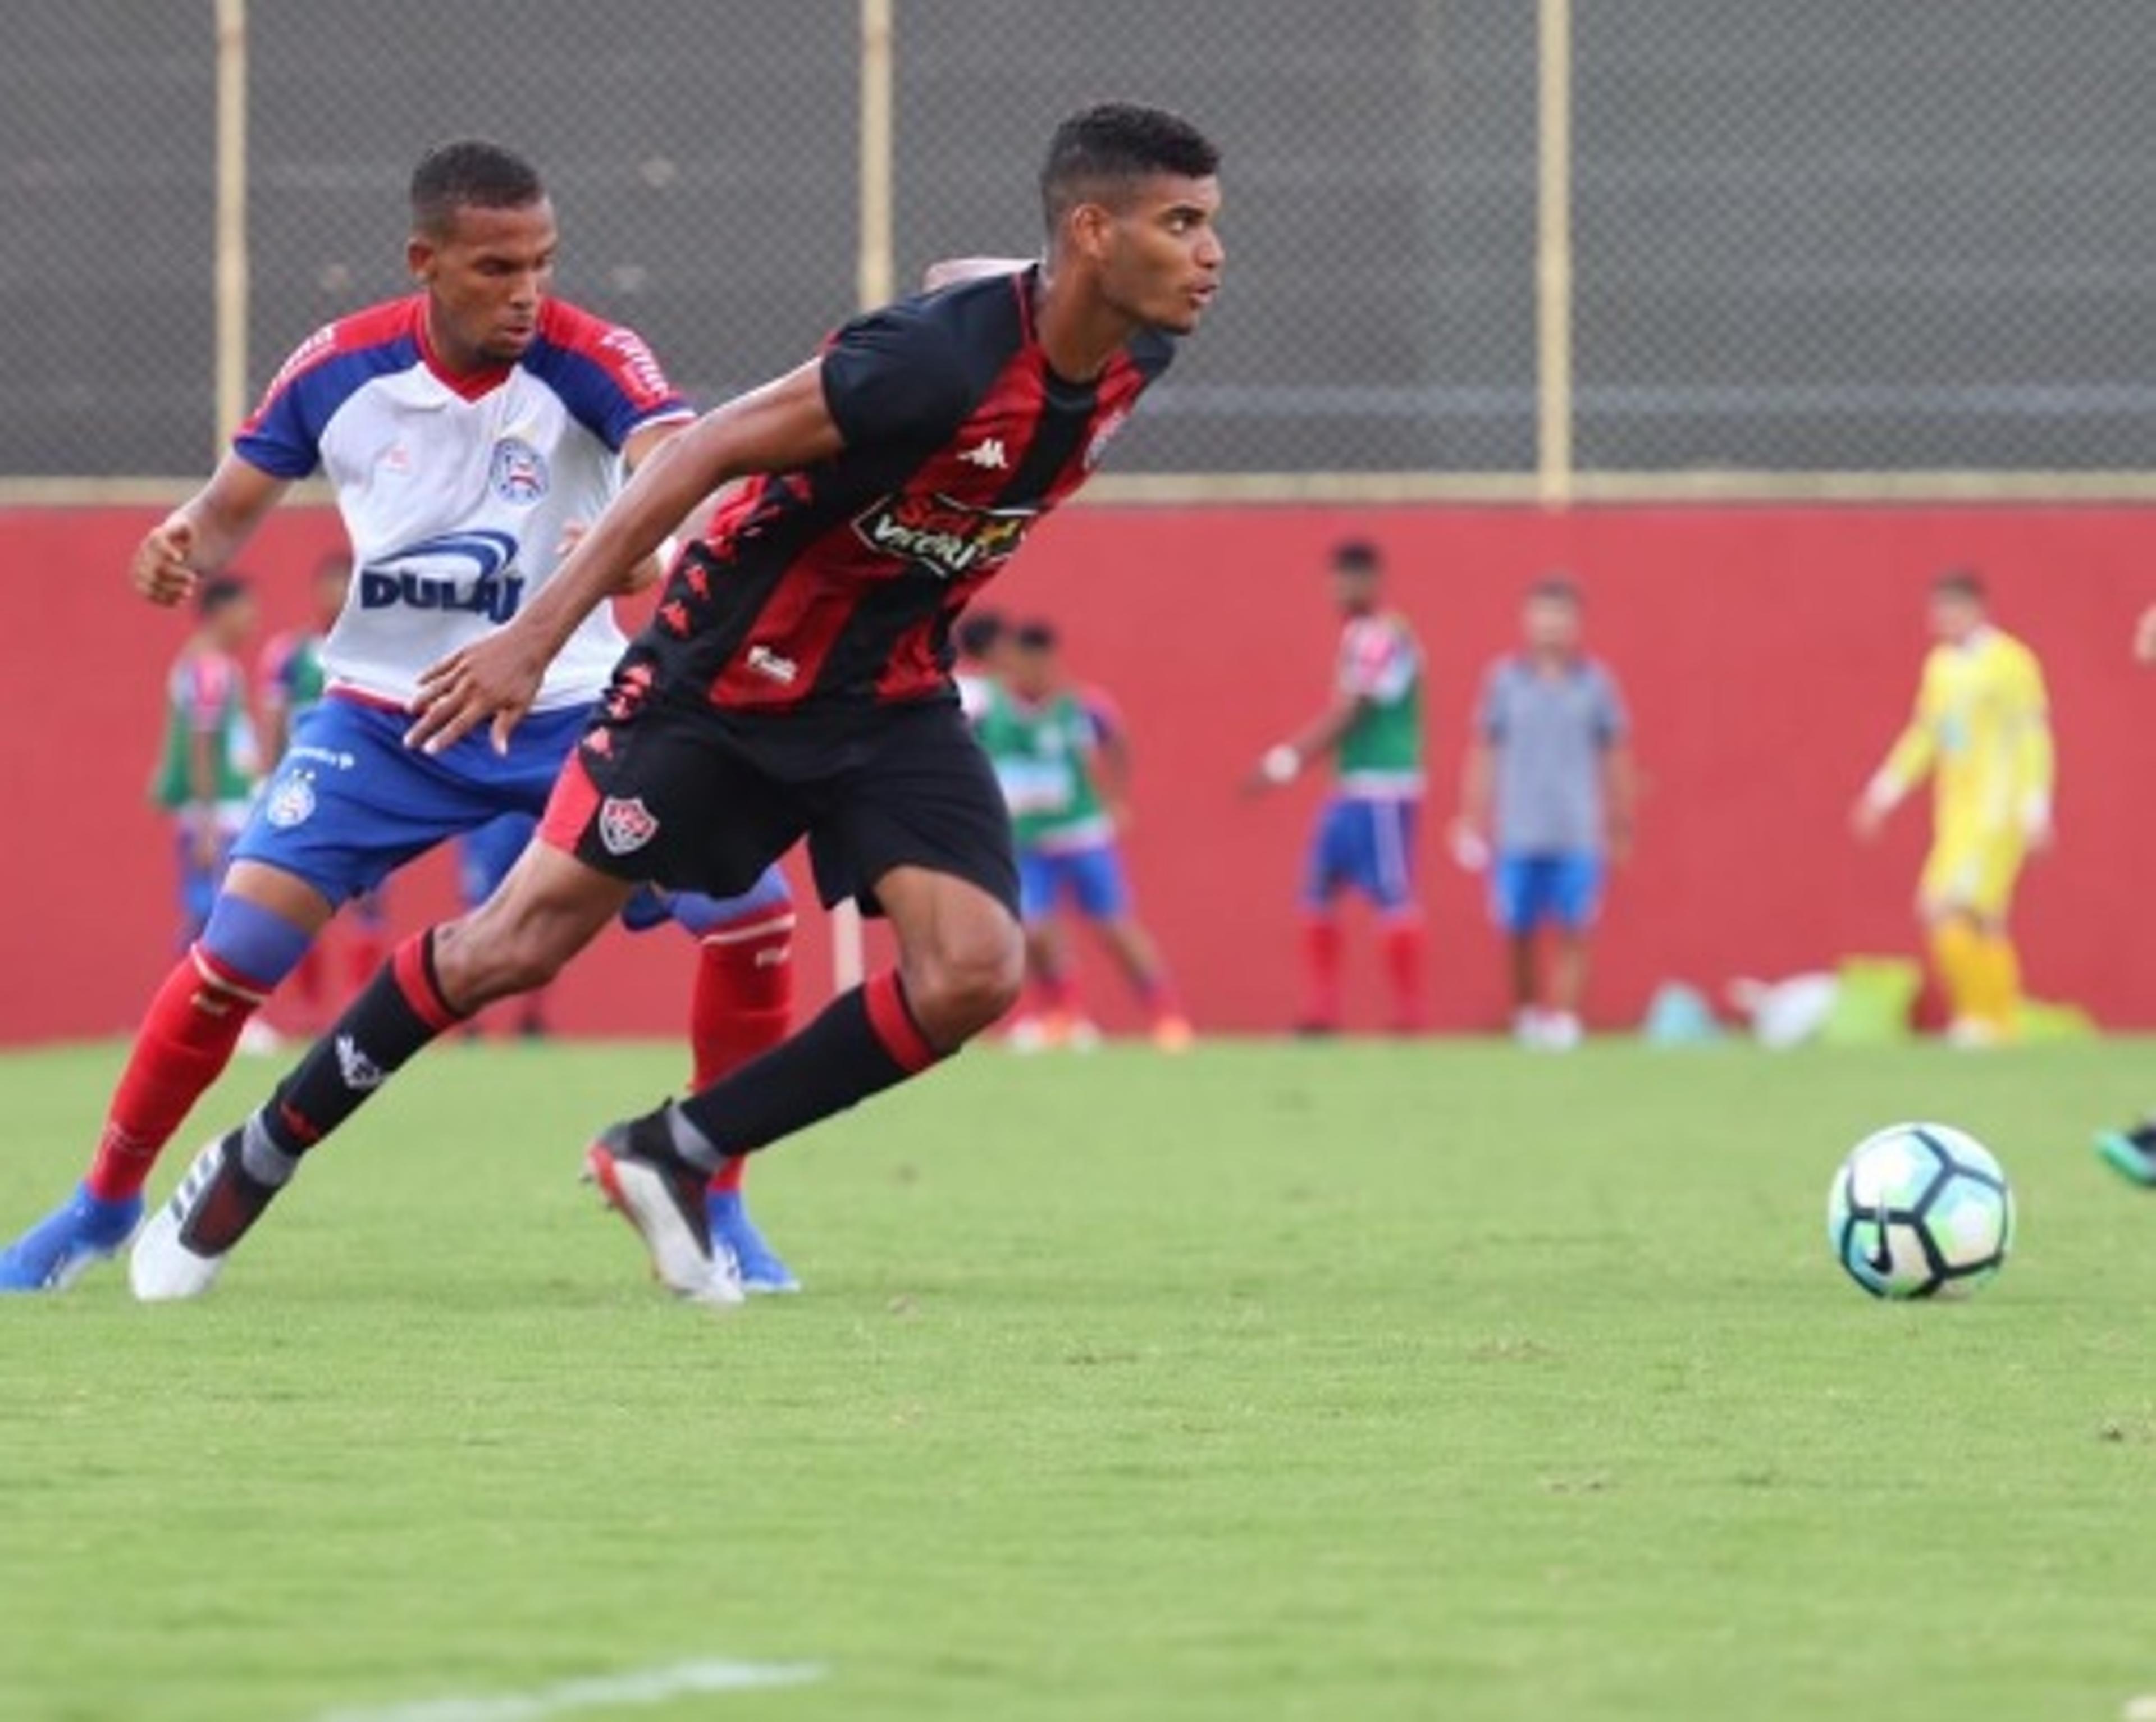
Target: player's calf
549,908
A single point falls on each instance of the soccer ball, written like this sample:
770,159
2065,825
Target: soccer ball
1920,1210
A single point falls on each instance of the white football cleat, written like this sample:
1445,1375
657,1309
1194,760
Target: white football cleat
165,1265
662,1195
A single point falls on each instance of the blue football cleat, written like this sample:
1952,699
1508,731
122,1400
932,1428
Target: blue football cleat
761,1269
2131,1153
74,1238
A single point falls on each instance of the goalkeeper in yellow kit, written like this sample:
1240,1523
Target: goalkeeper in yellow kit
1982,733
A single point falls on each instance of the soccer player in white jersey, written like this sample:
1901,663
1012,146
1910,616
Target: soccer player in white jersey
468,431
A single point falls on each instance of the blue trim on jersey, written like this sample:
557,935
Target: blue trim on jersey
1364,843
1091,878
350,802
284,437
1528,891
595,400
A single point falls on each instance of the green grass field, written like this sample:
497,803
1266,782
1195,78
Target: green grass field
1355,1382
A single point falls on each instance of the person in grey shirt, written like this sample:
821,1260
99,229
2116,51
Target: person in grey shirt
1546,803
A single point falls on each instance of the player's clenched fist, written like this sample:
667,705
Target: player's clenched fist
160,571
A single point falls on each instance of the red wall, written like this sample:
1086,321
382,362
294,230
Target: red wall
1769,655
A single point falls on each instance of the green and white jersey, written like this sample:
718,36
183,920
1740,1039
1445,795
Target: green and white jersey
1381,755
206,696
1043,757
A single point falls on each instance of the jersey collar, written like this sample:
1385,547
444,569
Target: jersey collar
467,385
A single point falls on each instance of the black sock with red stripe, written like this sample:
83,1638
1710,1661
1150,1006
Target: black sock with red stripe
398,1012
862,1042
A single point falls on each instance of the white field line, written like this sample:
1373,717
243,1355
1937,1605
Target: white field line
638,1686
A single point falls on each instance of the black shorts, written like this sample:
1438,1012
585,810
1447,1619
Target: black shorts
696,799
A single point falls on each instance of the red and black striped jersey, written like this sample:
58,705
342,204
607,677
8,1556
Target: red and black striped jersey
835,586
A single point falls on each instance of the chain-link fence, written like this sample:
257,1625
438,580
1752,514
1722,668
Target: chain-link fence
1844,235
1834,236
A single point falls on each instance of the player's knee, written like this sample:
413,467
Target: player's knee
968,981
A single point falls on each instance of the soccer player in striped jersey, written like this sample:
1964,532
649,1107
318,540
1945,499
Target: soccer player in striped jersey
1982,731
795,682
1366,836
1059,753
468,431
209,764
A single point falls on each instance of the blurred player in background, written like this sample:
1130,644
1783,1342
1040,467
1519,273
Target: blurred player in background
1366,836
981,638
293,681
795,682
2133,1152
468,431
1061,756
1546,800
1982,730
209,764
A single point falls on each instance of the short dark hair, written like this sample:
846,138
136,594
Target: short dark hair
1965,583
1357,555
466,174
979,632
220,592
1035,636
1098,154
1555,588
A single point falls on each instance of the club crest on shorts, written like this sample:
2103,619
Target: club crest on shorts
517,471
292,802
625,826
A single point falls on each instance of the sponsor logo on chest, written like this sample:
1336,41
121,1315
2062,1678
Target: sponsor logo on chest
457,571
950,539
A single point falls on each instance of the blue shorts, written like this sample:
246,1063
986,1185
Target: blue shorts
1530,891
1365,843
350,802
486,853
1091,879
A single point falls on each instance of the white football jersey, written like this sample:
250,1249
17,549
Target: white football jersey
456,491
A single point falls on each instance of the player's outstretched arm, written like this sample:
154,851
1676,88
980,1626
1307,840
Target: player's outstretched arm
204,532
1907,764
777,428
1283,763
